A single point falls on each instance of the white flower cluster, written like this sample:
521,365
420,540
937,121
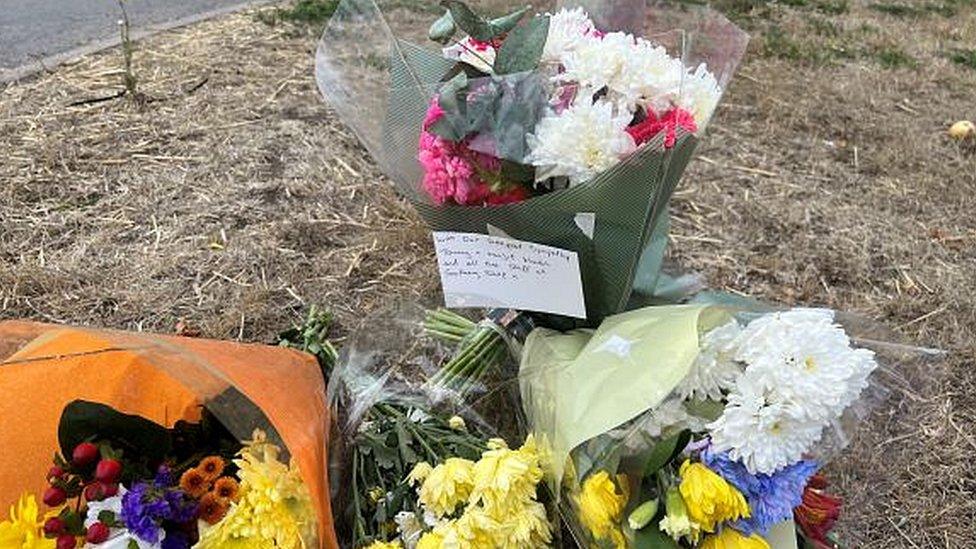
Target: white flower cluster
614,76
787,376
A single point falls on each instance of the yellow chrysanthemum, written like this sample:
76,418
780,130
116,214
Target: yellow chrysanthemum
446,486
505,480
710,500
431,540
385,545
676,522
419,473
527,526
274,508
475,529
731,539
601,505
23,530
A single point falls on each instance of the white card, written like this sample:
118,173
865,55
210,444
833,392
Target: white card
487,271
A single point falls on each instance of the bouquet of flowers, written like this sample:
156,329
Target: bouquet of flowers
569,128
160,442
426,468
698,425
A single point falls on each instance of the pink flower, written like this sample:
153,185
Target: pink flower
668,122
451,170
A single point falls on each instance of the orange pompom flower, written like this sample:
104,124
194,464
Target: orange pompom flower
211,467
226,489
194,483
212,509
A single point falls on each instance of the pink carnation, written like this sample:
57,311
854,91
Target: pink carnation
451,169
668,122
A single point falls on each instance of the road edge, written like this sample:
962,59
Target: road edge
51,62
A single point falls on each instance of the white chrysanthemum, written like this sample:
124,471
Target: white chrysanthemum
634,70
409,527
809,357
479,56
715,370
568,29
699,94
762,426
581,141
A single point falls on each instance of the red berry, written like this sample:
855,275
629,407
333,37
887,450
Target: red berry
84,454
55,473
66,541
94,492
97,533
110,489
53,526
108,471
54,496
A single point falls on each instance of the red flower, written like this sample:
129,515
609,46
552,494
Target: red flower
513,195
818,513
668,122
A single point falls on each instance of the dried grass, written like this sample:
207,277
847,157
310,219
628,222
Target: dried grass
233,199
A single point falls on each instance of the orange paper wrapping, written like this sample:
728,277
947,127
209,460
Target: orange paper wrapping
161,378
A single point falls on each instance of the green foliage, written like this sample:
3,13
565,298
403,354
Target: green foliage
522,50
945,8
312,337
308,11
478,27
964,57
665,451
892,57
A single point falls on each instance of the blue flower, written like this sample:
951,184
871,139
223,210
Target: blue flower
146,506
771,498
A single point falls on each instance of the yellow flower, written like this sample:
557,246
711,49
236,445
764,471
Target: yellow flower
524,527
419,473
676,522
709,499
505,480
23,530
431,540
601,506
456,423
274,508
473,530
447,485
385,545
729,538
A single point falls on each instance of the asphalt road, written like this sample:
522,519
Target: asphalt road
33,32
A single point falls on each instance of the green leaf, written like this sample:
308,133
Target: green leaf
132,544
653,538
522,50
478,27
521,173
665,451
508,22
705,409
108,518
84,421
453,126
442,30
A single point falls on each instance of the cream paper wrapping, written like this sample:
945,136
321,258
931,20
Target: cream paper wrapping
580,384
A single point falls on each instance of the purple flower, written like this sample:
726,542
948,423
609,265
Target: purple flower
771,498
176,539
147,505
164,476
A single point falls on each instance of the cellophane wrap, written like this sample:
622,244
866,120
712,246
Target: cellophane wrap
165,379
595,397
379,73
390,360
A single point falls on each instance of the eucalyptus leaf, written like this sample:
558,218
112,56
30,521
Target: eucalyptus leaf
508,22
665,451
523,48
468,21
442,30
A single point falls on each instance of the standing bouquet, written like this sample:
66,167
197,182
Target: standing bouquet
696,425
159,442
569,129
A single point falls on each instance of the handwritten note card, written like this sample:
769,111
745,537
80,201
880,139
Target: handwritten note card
486,271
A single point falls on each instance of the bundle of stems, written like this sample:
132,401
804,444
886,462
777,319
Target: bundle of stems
479,348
